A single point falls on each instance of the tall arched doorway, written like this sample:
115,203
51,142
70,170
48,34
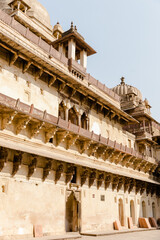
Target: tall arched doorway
143,209
121,213
72,213
132,211
154,210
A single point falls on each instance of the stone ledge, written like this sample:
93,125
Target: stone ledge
95,234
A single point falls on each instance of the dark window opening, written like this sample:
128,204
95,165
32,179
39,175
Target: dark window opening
74,178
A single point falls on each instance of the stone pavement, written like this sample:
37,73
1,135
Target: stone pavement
146,235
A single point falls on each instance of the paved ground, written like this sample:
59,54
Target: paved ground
145,235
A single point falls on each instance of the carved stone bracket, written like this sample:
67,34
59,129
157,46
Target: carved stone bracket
119,158
52,80
143,187
92,149
17,161
59,171
136,164
92,178
62,86
13,58
32,167
126,160
35,128
126,184
83,145
22,124
7,119
73,92
130,161
3,157
50,133
115,182
70,140
84,176
47,170
152,169
120,183
38,74
108,180
115,155
153,190
26,66
147,167
69,173
100,180
60,137
100,151
109,153
131,185
142,165
137,186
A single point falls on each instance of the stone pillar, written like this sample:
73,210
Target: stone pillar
72,49
66,113
83,58
87,122
136,209
125,204
79,119
18,5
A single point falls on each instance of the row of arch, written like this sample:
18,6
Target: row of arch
72,115
132,211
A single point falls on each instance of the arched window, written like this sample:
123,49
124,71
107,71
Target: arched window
132,211
121,214
62,111
154,210
84,121
144,209
72,116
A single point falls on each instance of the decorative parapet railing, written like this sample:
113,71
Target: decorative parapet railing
76,69
71,64
139,128
102,87
27,117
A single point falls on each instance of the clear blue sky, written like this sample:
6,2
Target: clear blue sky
126,36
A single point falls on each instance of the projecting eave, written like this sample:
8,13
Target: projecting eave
81,44
140,114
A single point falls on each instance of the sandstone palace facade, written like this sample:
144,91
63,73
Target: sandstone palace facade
74,155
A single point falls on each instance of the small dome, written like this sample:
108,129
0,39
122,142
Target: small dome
123,89
37,11
58,27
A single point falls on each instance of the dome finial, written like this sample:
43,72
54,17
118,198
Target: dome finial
72,25
122,80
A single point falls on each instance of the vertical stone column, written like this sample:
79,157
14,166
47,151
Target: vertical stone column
136,209
18,5
72,49
87,122
125,204
79,119
83,58
66,113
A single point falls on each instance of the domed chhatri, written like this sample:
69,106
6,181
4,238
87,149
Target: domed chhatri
124,89
131,97
36,11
